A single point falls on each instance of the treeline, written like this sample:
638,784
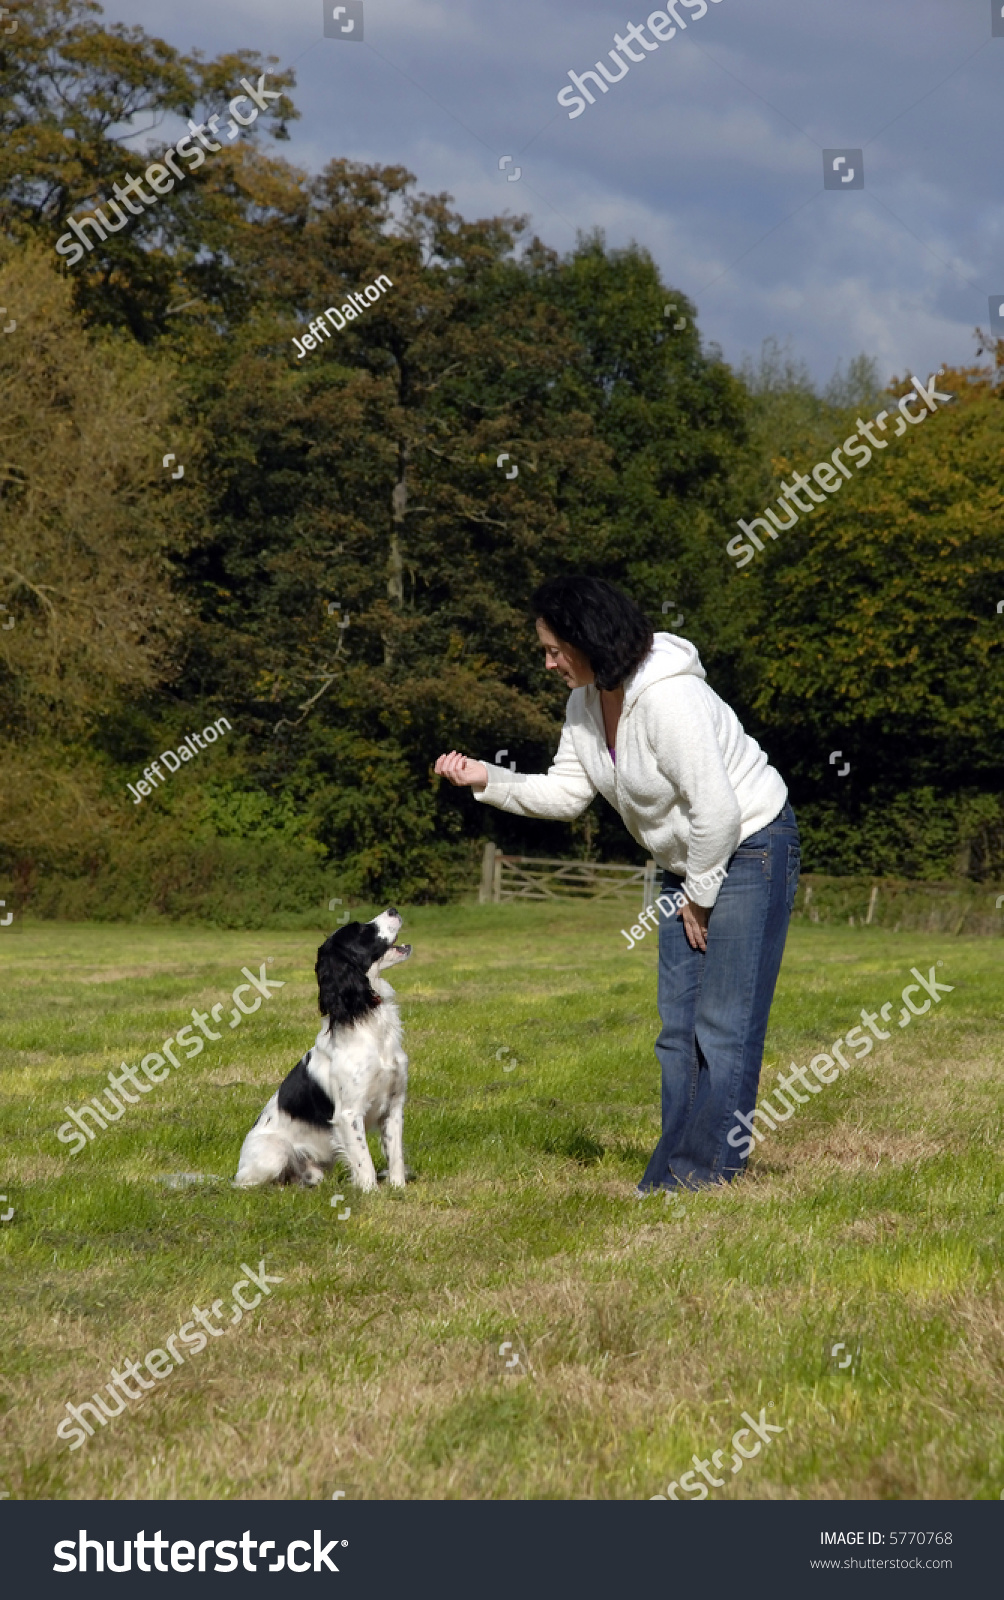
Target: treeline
343,569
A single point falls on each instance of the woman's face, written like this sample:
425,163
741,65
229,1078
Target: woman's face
564,658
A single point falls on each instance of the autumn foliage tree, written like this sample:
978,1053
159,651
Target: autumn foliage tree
88,529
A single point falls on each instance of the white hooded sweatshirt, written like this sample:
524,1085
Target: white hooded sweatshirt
688,783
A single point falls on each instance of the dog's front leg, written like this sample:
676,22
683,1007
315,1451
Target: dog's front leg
392,1139
350,1138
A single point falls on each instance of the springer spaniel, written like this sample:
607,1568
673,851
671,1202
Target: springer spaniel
354,1078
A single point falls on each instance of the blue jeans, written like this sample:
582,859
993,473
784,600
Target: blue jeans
714,1006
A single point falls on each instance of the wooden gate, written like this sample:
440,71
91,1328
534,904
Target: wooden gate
539,878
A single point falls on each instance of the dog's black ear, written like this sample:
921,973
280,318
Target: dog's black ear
343,990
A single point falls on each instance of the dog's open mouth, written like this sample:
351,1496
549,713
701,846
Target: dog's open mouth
393,956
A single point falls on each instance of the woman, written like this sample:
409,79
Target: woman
643,729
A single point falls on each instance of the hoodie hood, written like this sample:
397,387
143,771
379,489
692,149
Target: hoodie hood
669,657
687,780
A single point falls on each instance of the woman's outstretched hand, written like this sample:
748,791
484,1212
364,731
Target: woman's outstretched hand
463,772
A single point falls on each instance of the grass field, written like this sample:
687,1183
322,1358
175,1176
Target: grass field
874,1215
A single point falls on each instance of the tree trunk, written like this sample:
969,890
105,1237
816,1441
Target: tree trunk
395,560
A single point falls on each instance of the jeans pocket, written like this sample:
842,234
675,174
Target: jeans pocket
794,869
754,855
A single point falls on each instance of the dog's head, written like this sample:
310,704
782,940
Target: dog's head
350,960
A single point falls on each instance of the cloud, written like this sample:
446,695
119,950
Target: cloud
701,152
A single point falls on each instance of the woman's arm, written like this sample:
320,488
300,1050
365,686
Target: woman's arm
562,793
681,730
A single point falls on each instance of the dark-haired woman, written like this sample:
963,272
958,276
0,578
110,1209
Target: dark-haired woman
644,729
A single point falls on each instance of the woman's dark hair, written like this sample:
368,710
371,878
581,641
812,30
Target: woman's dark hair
612,632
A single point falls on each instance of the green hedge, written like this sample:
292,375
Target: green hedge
227,883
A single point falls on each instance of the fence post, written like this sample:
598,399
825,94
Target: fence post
487,875
497,879
648,884
871,904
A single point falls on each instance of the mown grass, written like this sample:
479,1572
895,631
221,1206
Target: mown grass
875,1214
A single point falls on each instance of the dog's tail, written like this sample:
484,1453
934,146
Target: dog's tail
272,1158
270,1155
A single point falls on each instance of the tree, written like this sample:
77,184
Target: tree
71,93
88,523
872,624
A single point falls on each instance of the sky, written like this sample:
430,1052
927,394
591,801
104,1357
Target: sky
709,151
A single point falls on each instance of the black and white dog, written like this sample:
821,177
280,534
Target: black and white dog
354,1078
